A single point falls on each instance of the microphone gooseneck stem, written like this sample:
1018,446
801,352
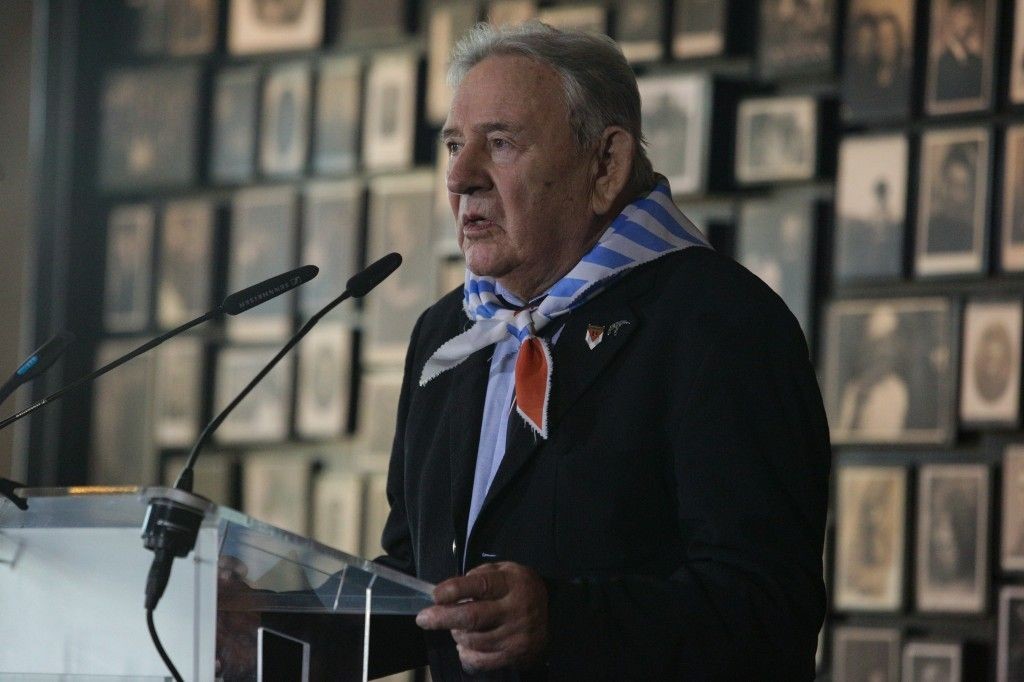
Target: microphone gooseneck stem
106,368
184,481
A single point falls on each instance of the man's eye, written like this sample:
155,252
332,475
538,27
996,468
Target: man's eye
500,143
453,147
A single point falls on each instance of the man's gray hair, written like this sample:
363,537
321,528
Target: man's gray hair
598,84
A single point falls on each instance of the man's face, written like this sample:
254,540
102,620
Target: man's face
961,21
518,186
958,190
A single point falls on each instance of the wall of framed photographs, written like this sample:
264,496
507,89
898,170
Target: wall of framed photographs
864,157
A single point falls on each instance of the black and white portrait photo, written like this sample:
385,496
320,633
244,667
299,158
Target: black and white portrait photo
953,202
389,121
1016,89
233,130
179,379
932,662
865,654
797,37
1010,664
129,267
699,28
172,27
371,22
676,123
284,125
776,240
378,408
122,418
325,371
952,538
265,413
185,268
889,370
274,25
871,536
338,510
961,52
332,217
638,28
149,133
871,206
878,61
1012,551
338,103
776,139
261,246
990,363
448,22
276,489
397,206
1012,246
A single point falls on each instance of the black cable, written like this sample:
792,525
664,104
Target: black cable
160,647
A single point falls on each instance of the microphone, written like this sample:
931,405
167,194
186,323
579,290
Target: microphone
37,363
233,305
172,523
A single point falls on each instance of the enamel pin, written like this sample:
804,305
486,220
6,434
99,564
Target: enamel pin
595,334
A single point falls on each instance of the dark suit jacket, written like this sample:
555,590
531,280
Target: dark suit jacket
676,511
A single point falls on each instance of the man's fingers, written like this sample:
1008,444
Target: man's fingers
477,661
489,584
487,641
482,615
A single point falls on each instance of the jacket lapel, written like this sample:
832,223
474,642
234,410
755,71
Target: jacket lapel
469,389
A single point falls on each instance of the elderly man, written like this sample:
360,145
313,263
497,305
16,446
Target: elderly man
611,452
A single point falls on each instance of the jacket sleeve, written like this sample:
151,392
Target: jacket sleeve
750,461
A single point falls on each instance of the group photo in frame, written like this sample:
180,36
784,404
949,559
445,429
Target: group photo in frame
878,65
776,139
889,370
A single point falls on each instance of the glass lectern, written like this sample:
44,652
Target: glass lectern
250,602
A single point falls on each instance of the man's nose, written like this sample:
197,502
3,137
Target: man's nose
467,172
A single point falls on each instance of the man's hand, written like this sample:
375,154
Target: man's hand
498,615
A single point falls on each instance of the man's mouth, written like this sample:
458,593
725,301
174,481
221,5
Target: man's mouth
475,224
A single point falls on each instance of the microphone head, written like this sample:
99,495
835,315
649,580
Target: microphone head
363,282
250,297
44,356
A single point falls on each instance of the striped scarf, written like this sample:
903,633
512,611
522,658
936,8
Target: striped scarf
647,229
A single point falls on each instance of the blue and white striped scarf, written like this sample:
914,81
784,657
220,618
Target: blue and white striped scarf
648,228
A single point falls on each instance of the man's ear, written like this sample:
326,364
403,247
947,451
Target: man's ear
614,163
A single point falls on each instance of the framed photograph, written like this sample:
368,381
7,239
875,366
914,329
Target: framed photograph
261,246
586,18
878,70
865,654
796,38
332,222
871,208
447,23
952,538
378,411
961,55
990,363
213,476
397,205
638,28
233,134
325,373
276,489
338,511
1012,553
699,28
446,236
389,130
129,266
123,451
179,392
776,139
889,370
377,510
450,274
953,202
370,23
1015,92
147,24
338,101
264,414
1012,246
186,261
1010,664
174,27
932,662
284,127
777,241
677,125
274,25
148,127
871,524
510,12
